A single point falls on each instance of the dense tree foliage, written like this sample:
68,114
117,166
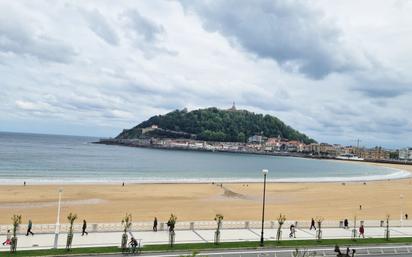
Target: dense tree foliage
212,124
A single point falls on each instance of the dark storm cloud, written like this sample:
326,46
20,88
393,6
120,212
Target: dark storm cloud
289,32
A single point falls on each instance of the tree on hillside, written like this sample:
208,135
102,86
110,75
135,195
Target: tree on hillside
212,124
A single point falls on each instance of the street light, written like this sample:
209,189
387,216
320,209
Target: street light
401,203
57,231
265,172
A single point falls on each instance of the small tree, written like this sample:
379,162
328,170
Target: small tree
281,220
71,218
319,220
16,223
126,223
354,231
171,224
387,235
218,219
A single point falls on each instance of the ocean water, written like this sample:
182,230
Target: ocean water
69,159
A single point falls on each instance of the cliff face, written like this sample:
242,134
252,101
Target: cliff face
213,124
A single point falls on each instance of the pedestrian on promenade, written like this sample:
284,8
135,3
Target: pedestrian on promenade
346,224
133,244
29,227
362,231
155,225
312,225
360,207
8,238
84,228
292,231
406,216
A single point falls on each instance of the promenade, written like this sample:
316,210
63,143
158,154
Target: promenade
195,232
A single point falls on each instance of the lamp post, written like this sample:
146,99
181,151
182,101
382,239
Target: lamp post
401,204
265,172
57,230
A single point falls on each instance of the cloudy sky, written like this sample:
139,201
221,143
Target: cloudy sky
336,70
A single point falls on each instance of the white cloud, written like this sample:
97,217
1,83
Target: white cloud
327,68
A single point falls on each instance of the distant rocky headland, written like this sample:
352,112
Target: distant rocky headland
236,131
213,124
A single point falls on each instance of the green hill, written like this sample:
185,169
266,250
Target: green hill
213,124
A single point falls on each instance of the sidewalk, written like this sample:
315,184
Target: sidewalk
45,241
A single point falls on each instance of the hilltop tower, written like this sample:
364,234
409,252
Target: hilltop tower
233,108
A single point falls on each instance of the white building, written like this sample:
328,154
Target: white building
405,154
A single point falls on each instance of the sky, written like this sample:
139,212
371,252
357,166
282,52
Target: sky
336,70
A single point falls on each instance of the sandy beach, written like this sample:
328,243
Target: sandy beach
299,201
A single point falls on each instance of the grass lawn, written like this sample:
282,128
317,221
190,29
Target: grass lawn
210,246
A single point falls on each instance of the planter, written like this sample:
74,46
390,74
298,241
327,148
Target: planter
124,242
217,237
13,244
69,241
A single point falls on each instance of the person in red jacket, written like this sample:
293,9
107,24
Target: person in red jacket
362,231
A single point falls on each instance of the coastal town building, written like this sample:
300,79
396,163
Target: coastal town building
405,154
376,153
255,139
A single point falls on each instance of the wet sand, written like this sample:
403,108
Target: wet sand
299,201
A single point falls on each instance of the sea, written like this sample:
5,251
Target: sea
57,159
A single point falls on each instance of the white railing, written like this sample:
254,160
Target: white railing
201,225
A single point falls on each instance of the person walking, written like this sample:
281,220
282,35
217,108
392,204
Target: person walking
346,224
84,228
362,231
29,227
155,224
292,231
406,216
8,238
312,225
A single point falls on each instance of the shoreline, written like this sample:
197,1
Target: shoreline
399,172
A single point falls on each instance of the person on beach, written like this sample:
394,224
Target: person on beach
312,225
155,225
360,207
346,224
8,238
292,231
362,231
29,227
84,228
406,216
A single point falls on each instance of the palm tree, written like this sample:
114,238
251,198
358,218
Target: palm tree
218,219
16,223
281,220
171,224
71,218
126,223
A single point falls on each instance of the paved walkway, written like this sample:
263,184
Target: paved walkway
44,241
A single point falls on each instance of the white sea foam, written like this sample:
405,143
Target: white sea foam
396,174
